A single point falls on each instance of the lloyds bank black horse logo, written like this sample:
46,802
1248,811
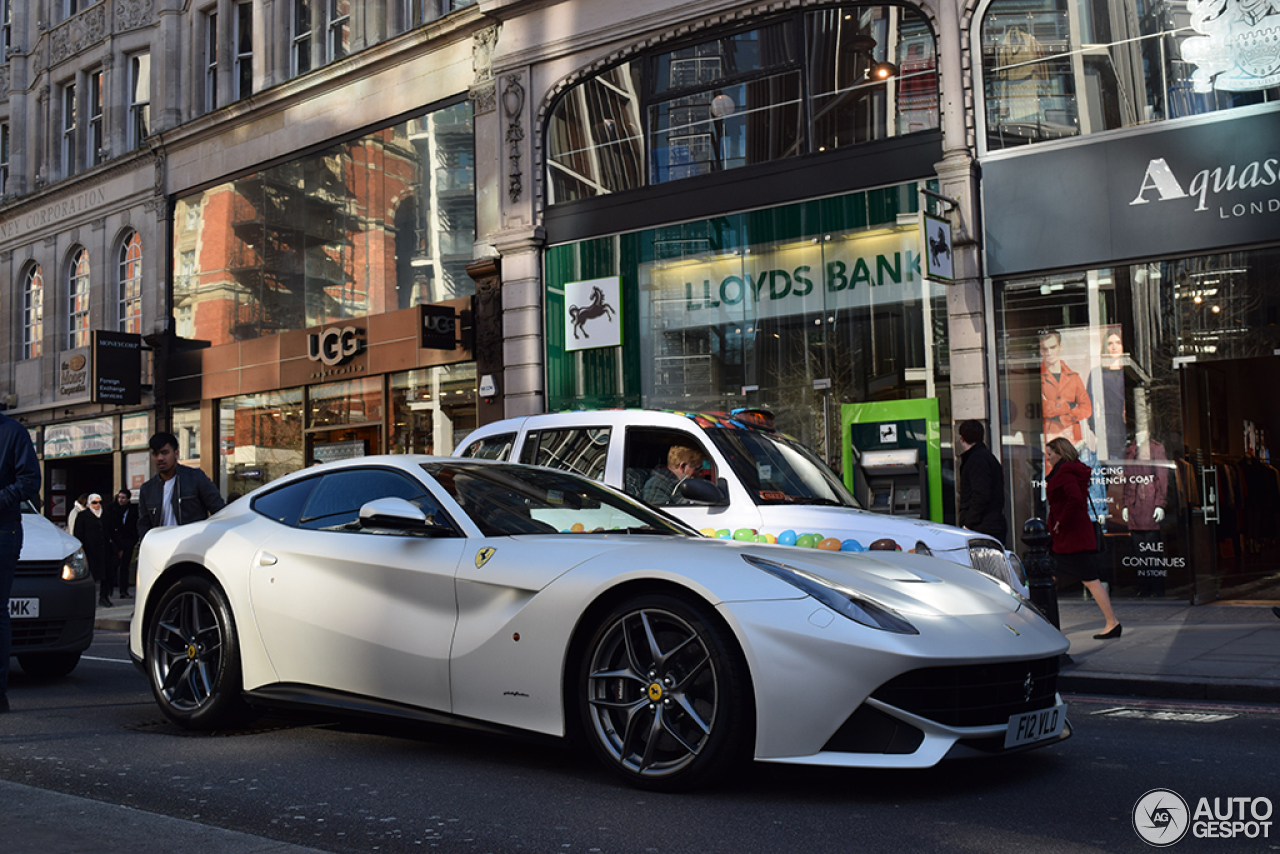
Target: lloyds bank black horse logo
938,247
598,307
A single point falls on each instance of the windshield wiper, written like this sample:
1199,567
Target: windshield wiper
647,529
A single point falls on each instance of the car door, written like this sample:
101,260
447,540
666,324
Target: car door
345,609
647,449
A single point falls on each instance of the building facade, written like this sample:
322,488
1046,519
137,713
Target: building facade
353,226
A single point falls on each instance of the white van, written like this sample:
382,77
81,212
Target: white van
757,478
51,606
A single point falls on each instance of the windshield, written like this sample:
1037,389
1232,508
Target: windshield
505,500
778,470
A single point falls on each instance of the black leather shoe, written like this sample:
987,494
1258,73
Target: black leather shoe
1111,635
4,703
125,595
104,602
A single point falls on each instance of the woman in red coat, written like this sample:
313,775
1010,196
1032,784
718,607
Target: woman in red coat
1074,542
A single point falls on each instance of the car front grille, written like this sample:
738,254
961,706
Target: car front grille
989,559
38,569
974,694
36,633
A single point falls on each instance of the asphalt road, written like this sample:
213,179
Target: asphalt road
345,786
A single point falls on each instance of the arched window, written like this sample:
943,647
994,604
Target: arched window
33,313
78,299
129,314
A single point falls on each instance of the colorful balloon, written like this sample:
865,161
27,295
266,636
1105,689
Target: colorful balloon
768,538
852,546
723,534
807,541
830,544
708,532
787,538
578,528
745,535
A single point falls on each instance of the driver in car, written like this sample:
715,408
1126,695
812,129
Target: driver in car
683,462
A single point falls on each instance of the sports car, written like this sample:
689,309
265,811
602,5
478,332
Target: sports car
516,597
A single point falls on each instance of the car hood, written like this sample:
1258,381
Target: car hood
44,541
917,585
847,523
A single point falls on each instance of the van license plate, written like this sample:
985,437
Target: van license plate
1030,727
23,609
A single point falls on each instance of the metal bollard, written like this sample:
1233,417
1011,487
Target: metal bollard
1039,566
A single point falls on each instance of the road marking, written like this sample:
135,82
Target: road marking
1165,715
112,660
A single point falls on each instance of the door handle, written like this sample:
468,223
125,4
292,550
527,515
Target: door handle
267,559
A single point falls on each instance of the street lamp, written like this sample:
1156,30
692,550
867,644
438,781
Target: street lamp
722,106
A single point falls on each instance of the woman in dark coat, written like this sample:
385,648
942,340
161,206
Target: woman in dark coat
1074,542
91,531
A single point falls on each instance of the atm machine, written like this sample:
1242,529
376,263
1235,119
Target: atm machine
892,482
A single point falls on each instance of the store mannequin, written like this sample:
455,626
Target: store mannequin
1146,488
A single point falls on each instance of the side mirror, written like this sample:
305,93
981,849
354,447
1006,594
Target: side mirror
396,514
701,491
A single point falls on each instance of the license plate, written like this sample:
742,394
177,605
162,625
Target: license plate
1030,727
24,609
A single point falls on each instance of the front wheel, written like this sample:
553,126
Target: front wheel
48,664
665,696
193,657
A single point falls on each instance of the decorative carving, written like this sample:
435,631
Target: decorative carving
78,32
484,90
513,106
4,81
132,14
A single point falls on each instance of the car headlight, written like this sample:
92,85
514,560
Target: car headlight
842,600
75,567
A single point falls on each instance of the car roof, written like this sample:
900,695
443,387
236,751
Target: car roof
738,419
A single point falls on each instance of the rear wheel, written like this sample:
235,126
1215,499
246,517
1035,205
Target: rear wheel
48,663
665,697
193,657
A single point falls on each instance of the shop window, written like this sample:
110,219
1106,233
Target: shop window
186,426
129,283
808,83
1061,68
344,403
432,409
296,242
78,299
32,312
260,438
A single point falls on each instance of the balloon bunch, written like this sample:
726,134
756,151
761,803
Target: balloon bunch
786,538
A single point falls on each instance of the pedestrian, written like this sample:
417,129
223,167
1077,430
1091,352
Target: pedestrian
122,525
177,494
76,509
1074,542
19,482
99,552
981,505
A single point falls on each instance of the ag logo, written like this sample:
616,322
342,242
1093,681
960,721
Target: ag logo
482,557
1161,817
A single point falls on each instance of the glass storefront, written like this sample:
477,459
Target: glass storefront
795,309
260,439
1164,376
374,224
432,409
1062,68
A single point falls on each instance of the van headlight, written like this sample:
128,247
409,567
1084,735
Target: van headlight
842,600
75,567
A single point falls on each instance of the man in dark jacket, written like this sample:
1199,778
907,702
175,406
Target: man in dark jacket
19,482
178,494
981,506
122,525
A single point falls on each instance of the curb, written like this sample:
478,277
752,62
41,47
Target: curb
112,624
1170,687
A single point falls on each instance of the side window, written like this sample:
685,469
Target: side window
646,454
496,447
578,449
336,502
285,504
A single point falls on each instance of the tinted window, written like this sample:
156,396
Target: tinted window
285,504
336,502
579,449
497,447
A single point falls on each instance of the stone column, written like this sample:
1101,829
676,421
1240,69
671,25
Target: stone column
522,343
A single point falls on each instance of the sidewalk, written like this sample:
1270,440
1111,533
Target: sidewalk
1221,651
